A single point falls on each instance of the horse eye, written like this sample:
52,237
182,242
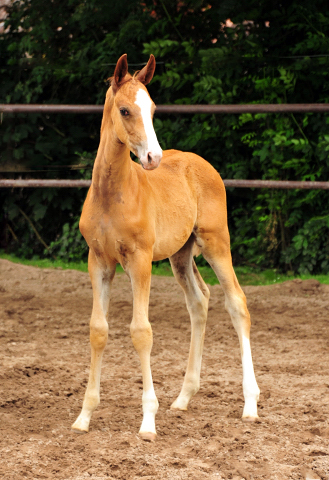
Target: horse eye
124,112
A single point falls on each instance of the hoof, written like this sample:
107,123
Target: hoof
148,436
80,432
174,407
250,419
178,405
76,428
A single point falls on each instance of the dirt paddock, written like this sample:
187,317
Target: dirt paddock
45,363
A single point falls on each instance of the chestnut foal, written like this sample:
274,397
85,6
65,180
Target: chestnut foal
135,214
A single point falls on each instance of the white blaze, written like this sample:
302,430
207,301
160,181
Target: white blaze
149,152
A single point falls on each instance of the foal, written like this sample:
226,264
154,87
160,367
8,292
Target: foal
135,214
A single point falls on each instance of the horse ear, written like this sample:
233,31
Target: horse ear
120,72
146,74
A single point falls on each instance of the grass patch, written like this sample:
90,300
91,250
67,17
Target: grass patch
246,275
252,276
46,263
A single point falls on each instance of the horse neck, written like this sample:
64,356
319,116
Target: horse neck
112,166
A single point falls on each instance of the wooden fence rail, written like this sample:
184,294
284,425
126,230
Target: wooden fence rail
174,109
283,184
170,109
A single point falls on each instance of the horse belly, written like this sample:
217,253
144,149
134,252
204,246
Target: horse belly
171,236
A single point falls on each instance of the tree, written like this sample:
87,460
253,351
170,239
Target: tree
265,54
60,54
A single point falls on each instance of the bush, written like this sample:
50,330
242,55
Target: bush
64,54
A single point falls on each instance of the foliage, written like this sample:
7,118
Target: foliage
70,246
279,57
64,54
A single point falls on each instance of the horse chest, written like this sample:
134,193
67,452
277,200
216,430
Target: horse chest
115,236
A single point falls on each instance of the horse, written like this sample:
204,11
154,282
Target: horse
170,205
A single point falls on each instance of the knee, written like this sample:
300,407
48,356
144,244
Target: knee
141,335
98,335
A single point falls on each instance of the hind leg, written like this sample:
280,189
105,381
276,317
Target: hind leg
215,246
197,297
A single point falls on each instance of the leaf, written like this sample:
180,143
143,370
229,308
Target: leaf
39,211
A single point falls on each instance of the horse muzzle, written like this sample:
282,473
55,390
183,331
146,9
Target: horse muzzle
151,160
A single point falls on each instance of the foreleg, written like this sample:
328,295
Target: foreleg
101,279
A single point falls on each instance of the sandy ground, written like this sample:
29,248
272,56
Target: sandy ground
45,362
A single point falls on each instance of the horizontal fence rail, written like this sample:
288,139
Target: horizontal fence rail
174,109
283,184
170,109
36,183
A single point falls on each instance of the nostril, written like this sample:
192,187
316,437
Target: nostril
149,158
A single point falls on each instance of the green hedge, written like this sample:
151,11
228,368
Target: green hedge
65,53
